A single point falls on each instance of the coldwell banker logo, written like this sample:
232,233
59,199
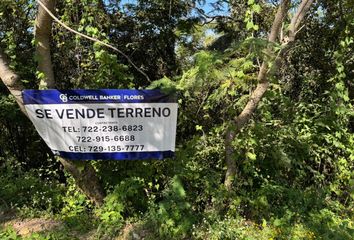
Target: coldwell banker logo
93,98
63,97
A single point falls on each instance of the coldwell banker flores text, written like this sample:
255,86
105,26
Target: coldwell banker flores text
65,97
121,112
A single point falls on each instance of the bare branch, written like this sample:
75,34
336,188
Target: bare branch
298,18
278,20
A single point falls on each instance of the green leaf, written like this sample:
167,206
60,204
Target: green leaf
256,8
199,128
277,222
240,74
249,25
251,156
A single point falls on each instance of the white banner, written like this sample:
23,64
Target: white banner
89,130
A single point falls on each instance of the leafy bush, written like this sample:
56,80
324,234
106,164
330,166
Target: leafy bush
173,217
25,190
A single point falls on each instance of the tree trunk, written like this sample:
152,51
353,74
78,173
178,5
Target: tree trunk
242,119
85,177
229,158
43,34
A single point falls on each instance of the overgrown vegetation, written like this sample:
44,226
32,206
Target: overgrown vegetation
294,159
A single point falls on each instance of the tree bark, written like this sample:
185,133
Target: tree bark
229,159
242,119
85,177
43,34
11,81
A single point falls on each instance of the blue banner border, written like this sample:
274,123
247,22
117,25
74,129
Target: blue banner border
77,96
116,155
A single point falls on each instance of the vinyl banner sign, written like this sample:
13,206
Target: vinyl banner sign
104,124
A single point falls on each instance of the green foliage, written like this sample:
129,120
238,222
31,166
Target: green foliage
87,67
253,8
165,84
58,234
9,234
76,209
24,190
172,217
125,201
294,159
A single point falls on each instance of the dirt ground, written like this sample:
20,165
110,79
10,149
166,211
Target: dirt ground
24,227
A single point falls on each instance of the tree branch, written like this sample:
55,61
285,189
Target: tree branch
298,18
85,179
93,39
242,119
43,29
263,83
11,81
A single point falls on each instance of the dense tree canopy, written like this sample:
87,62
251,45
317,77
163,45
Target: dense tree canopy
265,143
